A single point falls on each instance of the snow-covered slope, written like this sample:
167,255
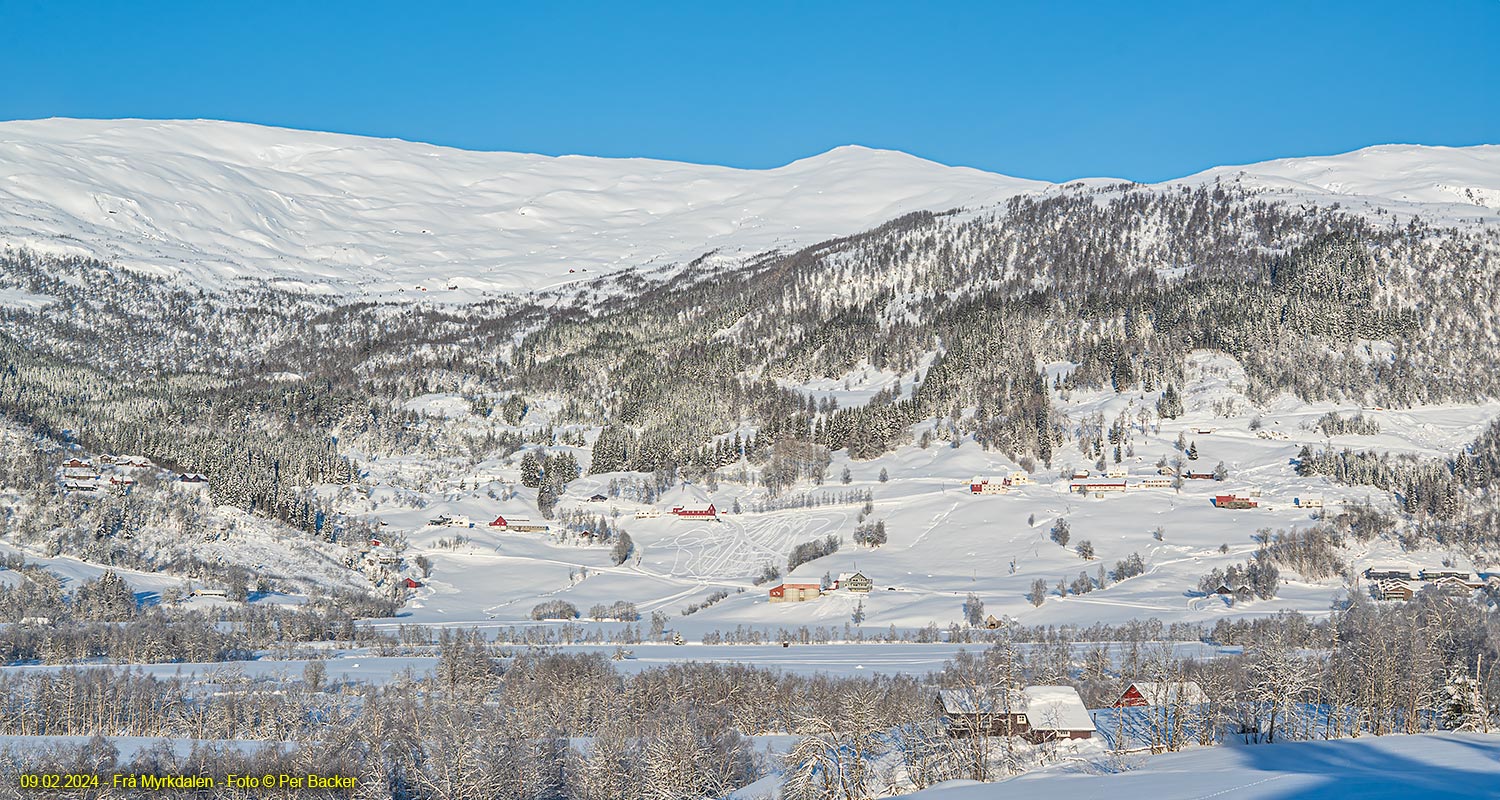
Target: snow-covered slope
216,200
212,201
1449,765
1443,184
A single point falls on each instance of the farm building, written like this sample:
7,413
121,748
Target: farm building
1170,693
1036,713
1019,478
649,513
192,477
517,525
1153,483
411,584
1464,584
980,485
1233,501
1307,502
1391,573
79,470
1116,472
382,557
795,592
855,582
451,520
1392,589
1094,487
696,512
1203,431
1079,474
598,498
1199,476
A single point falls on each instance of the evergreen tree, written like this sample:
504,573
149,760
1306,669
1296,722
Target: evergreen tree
1170,404
531,469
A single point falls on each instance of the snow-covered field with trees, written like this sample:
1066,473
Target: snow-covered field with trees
943,543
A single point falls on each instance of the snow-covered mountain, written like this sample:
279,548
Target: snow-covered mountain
218,200
1443,184
213,201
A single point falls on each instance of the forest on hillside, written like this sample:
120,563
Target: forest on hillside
266,390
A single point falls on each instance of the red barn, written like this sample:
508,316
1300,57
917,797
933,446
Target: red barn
411,584
499,522
709,512
1150,693
795,592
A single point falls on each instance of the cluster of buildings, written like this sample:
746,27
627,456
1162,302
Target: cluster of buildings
111,472
1115,482
1401,583
1041,714
998,485
709,511
856,582
1036,713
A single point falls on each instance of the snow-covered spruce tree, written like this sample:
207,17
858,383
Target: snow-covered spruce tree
1465,707
1170,404
531,469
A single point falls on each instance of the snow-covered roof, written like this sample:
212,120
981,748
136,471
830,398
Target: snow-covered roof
1047,708
1056,708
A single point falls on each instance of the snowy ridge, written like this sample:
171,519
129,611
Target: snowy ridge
1443,184
215,201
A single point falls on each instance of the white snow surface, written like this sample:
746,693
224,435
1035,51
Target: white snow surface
219,200
215,201
944,543
1447,765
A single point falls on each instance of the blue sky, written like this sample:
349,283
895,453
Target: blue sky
1145,91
